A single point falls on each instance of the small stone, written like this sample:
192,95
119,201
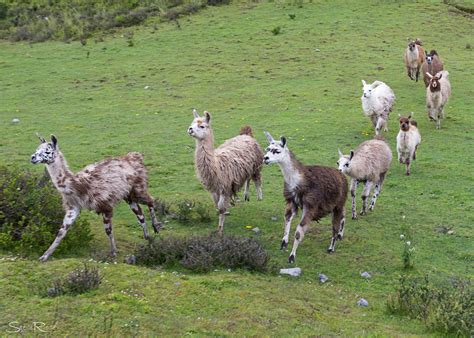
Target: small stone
450,232
274,218
317,50
365,274
256,230
177,284
15,120
146,87
130,259
363,302
323,278
292,272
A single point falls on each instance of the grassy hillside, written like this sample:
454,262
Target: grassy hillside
109,98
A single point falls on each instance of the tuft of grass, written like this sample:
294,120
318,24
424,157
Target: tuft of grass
444,306
78,281
276,30
204,253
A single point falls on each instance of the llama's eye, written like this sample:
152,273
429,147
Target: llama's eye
346,165
277,151
337,162
202,127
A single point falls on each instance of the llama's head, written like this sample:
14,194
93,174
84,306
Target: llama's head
430,57
367,89
404,122
344,162
200,127
46,151
277,151
434,82
412,45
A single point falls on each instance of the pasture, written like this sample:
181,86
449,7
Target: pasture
303,81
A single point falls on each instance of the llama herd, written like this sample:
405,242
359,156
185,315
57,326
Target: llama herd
318,191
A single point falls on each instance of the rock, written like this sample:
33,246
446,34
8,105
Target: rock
130,259
292,272
323,278
15,120
146,87
363,302
274,218
365,274
256,230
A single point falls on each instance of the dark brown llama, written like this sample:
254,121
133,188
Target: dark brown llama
318,191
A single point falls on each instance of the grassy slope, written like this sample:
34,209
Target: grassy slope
304,83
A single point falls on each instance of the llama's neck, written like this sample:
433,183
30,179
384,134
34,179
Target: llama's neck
290,168
205,161
59,171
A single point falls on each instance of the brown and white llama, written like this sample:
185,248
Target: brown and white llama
224,170
318,191
98,187
414,57
408,140
437,95
369,164
432,65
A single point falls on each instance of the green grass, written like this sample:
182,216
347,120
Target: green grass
304,83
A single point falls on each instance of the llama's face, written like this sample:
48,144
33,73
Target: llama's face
405,123
200,127
366,89
46,152
277,150
412,46
344,162
434,83
429,58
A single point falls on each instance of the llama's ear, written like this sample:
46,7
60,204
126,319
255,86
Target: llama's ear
41,138
54,141
364,83
195,113
399,116
268,136
440,76
351,155
410,116
208,116
283,141
429,75
340,152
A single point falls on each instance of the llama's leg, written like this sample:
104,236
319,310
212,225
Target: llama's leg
290,212
107,217
247,190
338,222
417,73
409,73
365,195
414,152
354,184
257,179
149,201
378,127
69,218
141,218
407,162
299,235
378,189
222,206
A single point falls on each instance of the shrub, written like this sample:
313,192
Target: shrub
31,214
444,305
78,281
204,253
276,30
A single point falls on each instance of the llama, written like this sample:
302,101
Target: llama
223,171
369,163
408,140
414,58
98,187
316,190
437,94
432,65
377,103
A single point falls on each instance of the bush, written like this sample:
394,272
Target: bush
205,253
184,211
78,281
31,214
445,306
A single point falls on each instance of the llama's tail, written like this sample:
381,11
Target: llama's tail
246,130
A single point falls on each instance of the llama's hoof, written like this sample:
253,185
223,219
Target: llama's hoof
354,216
362,213
340,237
43,258
330,250
247,198
408,173
157,227
284,245
291,259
